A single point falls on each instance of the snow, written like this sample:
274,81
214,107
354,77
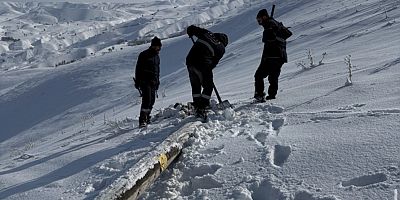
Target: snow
68,108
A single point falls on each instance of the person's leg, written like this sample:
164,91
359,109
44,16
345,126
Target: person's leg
146,106
208,87
195,82
152,101
273,77
259,76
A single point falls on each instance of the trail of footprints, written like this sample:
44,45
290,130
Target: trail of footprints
203,176
276,154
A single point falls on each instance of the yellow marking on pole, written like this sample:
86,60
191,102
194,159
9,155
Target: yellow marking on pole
163,160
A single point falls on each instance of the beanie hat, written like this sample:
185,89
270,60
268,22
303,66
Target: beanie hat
156,42
262,12
222,37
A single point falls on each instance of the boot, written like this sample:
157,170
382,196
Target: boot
270,97
259,97
148,119
142,121
201,113
205,104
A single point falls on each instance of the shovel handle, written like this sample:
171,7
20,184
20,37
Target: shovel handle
216,93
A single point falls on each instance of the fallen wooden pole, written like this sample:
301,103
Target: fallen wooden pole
130,186
144,183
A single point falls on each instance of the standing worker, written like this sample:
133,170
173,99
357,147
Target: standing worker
148,79
273,56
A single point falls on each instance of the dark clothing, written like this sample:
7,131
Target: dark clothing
148,68
148,99
199,79
206,51
202,58
273,57
147,79
274,46
270,68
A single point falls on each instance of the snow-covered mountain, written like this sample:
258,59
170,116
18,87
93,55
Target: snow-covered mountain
68,108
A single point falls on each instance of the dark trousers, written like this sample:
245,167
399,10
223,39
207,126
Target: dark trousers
270,68
148,99
202,85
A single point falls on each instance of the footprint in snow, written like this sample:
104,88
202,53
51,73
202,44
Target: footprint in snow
261,137
200,171
213,151
365,180
275,109
200,177
200,183
261,190
273,128
279,154
277,124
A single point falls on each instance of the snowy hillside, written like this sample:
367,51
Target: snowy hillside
53,34
68,108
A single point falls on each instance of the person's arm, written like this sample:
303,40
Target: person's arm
157,72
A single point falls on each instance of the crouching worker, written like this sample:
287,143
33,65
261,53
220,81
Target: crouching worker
148,79
202,58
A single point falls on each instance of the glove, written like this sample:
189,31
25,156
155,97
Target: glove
191,30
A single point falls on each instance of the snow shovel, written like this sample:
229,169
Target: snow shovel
222,104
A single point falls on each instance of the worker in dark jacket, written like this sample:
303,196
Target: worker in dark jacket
203,57
273,56
147,79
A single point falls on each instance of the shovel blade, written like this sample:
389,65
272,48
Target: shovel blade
224,105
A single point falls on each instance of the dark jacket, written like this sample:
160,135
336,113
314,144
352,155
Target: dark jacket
148,68
274,46
206,51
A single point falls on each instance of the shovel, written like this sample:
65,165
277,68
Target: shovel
222,104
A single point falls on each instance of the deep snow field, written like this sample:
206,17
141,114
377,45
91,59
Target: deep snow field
68,108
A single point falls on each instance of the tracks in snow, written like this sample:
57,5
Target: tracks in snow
261,125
